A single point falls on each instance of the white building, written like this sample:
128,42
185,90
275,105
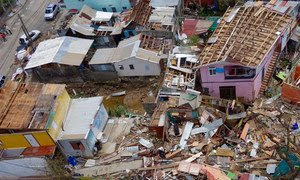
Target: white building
128,59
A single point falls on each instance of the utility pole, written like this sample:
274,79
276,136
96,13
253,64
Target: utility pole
25,30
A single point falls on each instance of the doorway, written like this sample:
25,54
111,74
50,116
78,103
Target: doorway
227,92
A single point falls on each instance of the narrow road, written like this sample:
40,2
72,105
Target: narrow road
32,14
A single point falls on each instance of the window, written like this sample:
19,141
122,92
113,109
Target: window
212,71
131,66
77,145
121,67
124,8
182,61
104,9
114,9
239,72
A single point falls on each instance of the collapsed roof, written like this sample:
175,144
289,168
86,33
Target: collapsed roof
245,35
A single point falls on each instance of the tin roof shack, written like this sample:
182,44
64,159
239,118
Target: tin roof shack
86,118
31,116
290,91
131,58
239,60
98,25
59,60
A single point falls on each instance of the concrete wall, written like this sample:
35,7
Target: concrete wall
99,4
141,68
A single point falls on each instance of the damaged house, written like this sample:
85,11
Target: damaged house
62,60
179,75
36,116
85,120
139,55
159,21
32,115
239,59
98,25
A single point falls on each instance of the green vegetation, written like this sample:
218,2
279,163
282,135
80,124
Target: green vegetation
4,4
118,111
193,40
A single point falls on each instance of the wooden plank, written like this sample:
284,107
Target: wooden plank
267,38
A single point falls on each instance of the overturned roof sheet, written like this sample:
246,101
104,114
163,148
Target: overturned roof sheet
195,26
63,50
20,104
245,35
164,3
80,117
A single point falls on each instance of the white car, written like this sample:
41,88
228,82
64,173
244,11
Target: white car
34,34
51,11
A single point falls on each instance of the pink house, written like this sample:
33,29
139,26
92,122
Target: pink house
240,57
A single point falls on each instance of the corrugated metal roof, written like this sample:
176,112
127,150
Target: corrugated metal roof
81,115
63,50
126,49
195,26
164,3
103,56
147,55
163,15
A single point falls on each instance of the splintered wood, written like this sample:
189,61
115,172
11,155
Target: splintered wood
245,35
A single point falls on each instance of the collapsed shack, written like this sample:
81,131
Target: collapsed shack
291,86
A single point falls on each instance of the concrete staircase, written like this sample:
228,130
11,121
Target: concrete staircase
269,72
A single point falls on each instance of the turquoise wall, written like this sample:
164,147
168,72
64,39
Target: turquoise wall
98,4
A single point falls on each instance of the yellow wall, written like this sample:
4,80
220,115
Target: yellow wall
59,112
14,141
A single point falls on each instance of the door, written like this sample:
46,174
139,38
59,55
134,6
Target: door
227,92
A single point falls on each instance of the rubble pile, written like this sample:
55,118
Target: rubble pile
218,140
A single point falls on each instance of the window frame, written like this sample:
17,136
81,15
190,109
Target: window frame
131,66
121,67
212,71
113,9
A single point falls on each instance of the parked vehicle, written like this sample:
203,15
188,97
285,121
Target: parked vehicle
51,11
2,79
34,34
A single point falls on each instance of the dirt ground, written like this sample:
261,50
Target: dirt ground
138,91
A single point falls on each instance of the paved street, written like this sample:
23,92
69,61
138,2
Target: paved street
33,16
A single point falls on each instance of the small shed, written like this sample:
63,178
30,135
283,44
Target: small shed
86,118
